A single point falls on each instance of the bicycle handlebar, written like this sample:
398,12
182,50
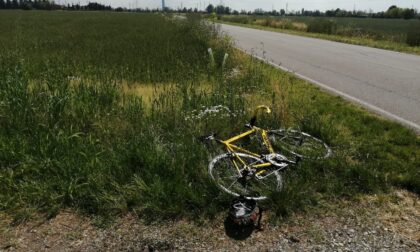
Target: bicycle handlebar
254,117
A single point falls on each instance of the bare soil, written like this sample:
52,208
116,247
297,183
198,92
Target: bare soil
386,222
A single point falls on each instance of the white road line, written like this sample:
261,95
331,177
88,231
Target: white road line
374,108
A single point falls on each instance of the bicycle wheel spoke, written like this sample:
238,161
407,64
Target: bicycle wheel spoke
300,144
226,176
229,177
234,182
263,182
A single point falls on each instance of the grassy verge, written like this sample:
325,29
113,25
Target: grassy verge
381,44
111,127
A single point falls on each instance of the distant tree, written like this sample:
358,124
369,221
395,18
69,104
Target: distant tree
96,6
392,7
210,8
330,13
282,12
2,4
8,4
259,11
378,15
408,13
396,12
393,12
220,9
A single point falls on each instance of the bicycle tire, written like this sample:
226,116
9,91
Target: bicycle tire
299,144
224,173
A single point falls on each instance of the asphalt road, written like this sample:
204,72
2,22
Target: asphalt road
383,81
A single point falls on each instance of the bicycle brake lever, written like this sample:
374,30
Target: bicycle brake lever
248,125
207,138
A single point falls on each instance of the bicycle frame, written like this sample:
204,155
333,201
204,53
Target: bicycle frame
232,148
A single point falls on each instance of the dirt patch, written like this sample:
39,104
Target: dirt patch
389,222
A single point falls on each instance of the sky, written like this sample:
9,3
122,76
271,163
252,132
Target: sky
322,5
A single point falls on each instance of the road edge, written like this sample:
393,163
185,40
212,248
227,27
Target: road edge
413,126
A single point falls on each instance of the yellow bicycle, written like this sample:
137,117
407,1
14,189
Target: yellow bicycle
241,172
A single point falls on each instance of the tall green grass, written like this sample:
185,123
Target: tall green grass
126,46
71,135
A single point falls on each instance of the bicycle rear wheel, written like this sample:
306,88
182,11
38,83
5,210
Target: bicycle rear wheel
299,143
224,172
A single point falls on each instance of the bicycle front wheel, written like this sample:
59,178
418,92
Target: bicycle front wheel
299,143
232,178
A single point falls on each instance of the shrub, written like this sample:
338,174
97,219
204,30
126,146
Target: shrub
322,26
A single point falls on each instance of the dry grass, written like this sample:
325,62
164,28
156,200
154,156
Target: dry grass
396,213
300,26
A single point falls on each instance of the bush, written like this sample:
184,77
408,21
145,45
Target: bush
413,36
322,26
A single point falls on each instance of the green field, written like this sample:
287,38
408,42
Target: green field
381,29
99,113
382,33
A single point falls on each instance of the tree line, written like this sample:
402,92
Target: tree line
392,12
28,4
49,5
